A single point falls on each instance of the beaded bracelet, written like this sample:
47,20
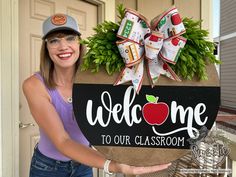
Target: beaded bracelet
106,167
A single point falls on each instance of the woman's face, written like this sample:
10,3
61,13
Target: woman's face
64,49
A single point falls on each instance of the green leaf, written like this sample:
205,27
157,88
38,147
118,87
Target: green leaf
192,61
121,11
197,52
151,98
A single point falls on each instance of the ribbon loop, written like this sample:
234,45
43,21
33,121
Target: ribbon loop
131,52
159,43
134,27
169,23
171,49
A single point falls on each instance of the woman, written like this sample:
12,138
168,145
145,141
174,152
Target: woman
62,149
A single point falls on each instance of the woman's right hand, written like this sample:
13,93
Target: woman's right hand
134,170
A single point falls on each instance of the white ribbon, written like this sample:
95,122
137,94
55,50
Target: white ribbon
159,43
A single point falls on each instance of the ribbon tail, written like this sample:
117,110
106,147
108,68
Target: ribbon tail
167,71
133,74
153,44
157,67
138,76
153,71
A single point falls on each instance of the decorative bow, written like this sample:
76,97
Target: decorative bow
159,43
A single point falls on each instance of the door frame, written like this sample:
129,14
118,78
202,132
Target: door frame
9,76
9,89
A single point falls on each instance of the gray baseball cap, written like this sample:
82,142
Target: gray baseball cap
58,22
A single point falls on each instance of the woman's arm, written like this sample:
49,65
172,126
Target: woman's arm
47,118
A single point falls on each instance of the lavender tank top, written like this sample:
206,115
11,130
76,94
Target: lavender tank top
65,111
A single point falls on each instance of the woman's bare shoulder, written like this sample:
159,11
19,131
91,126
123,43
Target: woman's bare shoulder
31,82
32,85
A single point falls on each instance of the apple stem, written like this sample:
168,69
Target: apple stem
157,98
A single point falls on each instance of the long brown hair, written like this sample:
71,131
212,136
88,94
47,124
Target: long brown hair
46,64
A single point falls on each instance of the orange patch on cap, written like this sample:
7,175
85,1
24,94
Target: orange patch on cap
58,19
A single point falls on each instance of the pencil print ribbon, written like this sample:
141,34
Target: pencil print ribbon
159,43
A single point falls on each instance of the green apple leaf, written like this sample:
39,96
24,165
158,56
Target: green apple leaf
151,98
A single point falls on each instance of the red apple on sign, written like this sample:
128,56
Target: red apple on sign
155,113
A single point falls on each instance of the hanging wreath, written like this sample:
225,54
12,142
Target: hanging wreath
192,61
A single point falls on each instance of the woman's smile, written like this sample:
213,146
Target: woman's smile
65,56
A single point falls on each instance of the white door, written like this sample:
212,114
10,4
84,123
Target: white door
32,14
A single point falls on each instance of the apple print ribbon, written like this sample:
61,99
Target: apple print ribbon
159,42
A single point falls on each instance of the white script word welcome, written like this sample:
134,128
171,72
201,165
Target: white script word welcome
186,116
